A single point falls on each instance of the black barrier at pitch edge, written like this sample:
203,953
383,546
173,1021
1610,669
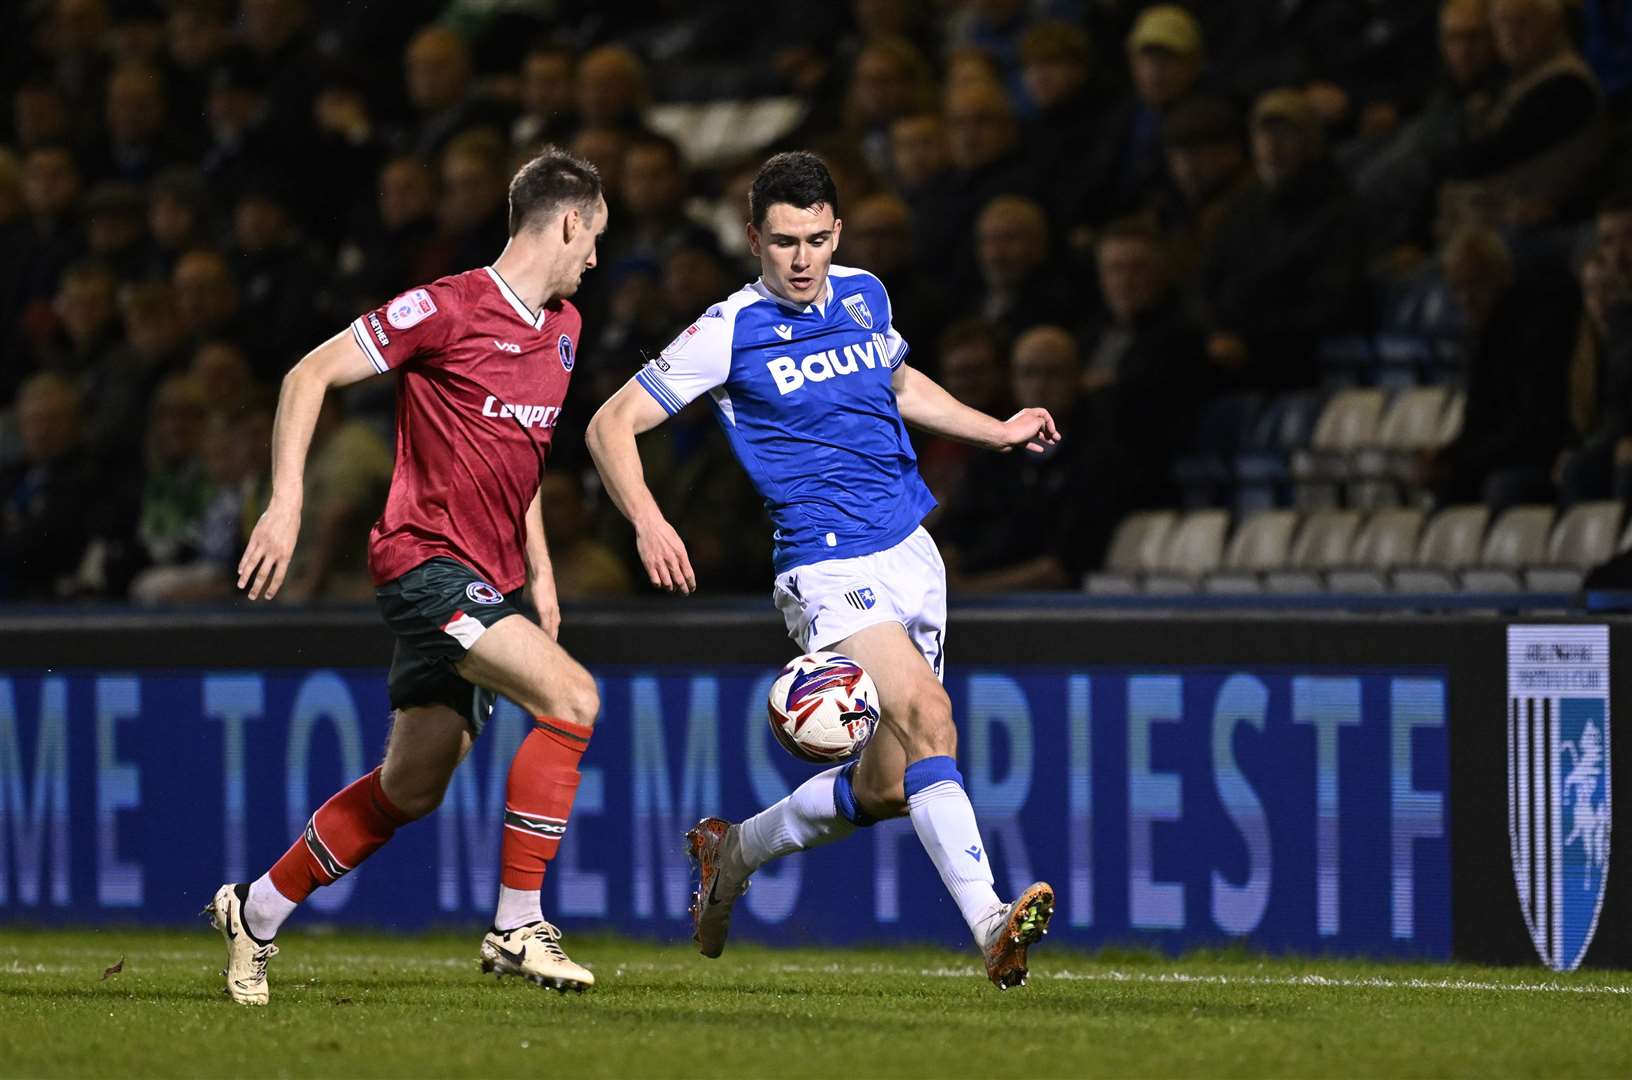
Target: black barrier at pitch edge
1487,923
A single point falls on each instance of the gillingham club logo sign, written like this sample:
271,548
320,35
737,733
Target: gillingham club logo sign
1558,783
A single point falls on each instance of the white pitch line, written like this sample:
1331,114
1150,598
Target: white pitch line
1370,982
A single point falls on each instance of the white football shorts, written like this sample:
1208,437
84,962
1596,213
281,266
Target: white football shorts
825,602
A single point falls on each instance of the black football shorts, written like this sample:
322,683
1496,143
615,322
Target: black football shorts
437,610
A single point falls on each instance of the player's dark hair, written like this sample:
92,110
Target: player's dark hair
553,181
797,178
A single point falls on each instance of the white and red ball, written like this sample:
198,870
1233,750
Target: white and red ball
823,708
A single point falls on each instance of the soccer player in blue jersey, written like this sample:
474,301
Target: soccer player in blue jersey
809,381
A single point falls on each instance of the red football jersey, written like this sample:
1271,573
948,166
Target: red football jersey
481,385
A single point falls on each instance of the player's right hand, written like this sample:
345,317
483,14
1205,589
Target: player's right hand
663,554
266,559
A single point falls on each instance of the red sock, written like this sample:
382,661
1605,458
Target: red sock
347,829
538,799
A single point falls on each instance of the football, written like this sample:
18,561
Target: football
823,708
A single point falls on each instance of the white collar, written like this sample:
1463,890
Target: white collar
536,321
764,290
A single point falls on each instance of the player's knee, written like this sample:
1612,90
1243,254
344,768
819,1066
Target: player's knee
577,700
414,792
927,723
881,801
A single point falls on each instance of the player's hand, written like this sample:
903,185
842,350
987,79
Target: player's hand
1032,428
266,559
663,554
541,590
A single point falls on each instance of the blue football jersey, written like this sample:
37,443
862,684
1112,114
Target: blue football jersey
803,393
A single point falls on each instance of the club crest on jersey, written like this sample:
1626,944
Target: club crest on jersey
480,592
410,309
857,307
564,347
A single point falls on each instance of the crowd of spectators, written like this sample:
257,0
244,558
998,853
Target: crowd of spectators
1115,210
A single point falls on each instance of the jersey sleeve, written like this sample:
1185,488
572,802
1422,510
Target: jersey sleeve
414,325
895,346
691,365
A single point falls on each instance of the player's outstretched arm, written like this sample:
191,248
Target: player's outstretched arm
339,361
611,438
924,404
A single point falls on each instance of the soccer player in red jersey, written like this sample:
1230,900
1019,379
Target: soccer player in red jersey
483,360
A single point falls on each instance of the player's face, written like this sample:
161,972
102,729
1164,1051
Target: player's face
795,247
581,248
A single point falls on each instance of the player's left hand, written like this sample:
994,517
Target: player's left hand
1032,428
541,591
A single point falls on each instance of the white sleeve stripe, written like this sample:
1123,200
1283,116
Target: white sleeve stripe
366,343
664,396
901,354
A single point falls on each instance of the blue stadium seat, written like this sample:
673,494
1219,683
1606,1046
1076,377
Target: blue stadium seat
1263,469
1203,475
1345,360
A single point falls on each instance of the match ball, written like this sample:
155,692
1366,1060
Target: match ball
823,708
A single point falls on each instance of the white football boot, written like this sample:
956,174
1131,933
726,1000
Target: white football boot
534,952
246,957
715,845
1018,926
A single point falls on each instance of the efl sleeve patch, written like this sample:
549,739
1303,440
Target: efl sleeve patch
410,309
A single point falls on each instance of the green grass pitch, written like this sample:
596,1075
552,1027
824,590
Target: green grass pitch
376,1005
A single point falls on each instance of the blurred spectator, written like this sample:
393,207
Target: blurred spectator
140,142
176,489
1148,374
223,373
1607,44
40,117
209,302
971,370
244,141
878,238
549,111
1205,143
584,566
391,245
46,499
14,248
280,47
1397,181
891,79
653,219
195,38
1020,286
919,156
473,211
1064,126
604,148
347,473
275,273
1029,520
1532,154
611,90
51,187
115,226
235,452
178,219
1599,463
995,29
1165,57
1520,337
1287,264
438,67
984,143
87,323
119,390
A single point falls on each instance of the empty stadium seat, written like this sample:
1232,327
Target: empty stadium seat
1583,538
1324,542
1450,421
1389,539
1348,422
1450,542
1402,359
1194,547
1518,539
1136,549
1260,544
1409,426
1345,360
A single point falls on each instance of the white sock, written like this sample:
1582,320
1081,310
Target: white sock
810,817
265,908
945,823
517,908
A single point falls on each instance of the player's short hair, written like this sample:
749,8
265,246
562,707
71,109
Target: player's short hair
554,181
798,178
